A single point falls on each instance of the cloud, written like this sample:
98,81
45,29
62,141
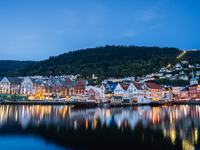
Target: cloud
147,16
129,34
151,12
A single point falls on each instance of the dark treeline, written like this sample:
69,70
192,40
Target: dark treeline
108,61
193,57
7,66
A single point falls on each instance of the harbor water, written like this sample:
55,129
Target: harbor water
65,127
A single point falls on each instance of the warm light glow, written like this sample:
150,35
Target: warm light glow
86,124
186,145
173,136
108,113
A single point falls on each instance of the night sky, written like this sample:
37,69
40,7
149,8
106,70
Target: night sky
37,29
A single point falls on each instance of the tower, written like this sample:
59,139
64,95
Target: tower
193,80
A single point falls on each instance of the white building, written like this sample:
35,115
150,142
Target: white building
27,87
183,78
168,75
181,72
178,66
176,90
121,90
152,91
135,90
5,85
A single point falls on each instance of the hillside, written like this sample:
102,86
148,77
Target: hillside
193,57
108,61
11,65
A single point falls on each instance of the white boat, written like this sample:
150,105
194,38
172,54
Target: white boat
83,100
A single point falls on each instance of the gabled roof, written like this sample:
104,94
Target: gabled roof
68,83
10,79
138,86
91,90
62,81
21,80
33,80
39,82
112,86
105,85
185,89
124,85
15,81
152,85
80,83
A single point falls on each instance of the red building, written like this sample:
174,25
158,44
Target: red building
67,88
93,93
79,88
194,91
184,93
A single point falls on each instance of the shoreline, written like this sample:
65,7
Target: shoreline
98,105
35,103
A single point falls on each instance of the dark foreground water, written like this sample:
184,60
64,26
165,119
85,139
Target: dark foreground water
26,127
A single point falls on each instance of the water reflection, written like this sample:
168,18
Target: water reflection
149,127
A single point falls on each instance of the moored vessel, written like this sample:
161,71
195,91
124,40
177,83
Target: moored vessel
83,101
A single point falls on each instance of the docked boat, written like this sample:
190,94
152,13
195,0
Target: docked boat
169,103
157,103
83,101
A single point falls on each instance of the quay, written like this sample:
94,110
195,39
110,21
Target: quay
88,105
36,102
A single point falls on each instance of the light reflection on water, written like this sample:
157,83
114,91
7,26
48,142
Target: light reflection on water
173,126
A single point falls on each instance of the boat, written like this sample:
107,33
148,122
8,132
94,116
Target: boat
157,103
169,102
83,101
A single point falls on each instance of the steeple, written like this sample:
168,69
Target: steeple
193,80
192,74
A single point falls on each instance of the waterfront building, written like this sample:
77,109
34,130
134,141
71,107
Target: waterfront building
136,91
108,90
49,87
15,86
184,93
79,88
152,91
103,88
57,85
93,93
5,85
39,89
67,88
177,89
27,87
121,90
116,99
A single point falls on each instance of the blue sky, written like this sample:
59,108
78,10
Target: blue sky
37,29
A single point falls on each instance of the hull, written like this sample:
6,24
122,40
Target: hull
169,103
85,104
157,103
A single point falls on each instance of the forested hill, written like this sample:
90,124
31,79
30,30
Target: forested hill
12,65
108,61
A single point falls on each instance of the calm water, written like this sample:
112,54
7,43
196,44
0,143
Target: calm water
64,127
